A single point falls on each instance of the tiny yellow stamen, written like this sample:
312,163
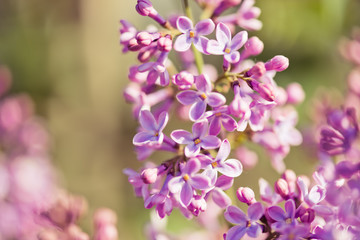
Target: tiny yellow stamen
203,96
291,236
156,134
227,50
288,220
214,164
248,224
218,114
197,141
186,177
191,34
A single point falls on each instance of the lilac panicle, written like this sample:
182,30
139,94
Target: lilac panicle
197,140
152,134
193,35
201,98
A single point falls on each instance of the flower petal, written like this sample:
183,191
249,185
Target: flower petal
235,215
147,120
220,198
236,233
197,110
255,211
254,230
143,138
239,40
145,67
228,123
164,78
186,194
223,34
224,182
216,99
204,27
187,97
201,182
152,77
162,121
215,126
201,44
224,151
203,84
192,166
182,43
276,213
215,48
200,128
184,24
232,57
231,168
175,184
192,149
181,137
290,208
210,142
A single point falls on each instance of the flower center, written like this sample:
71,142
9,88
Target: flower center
218,114
248,224
191,34
197,141
291,236
156,134
186,177
214,164
227,50
203,96
288,220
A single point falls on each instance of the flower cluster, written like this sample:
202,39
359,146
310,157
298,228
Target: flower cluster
32,206
241,104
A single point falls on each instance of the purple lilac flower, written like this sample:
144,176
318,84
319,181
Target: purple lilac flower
188,181
229,167
197,139
193,35
225,45
201,98
217,193
220,116
267,194
244,224
281,218
157,71
297,232
152,134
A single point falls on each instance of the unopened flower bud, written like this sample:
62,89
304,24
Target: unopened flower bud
144,7
354,81
246,195
197,205
254,46
104,216
144,38
290,177
149,175
308,216
133,45
282,188
278,63
346,169
108,232
257,71
295,93
266,91
184,80
165,44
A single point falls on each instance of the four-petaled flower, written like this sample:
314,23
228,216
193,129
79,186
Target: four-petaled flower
244,224
197,139
152,134
188,180
199,99
225,45
283,218
193,35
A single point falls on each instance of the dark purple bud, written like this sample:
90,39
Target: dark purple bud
278,63
144,7
308,216
133,45
144,38
282,188
346,169
164,44
149,175
254,46
246,195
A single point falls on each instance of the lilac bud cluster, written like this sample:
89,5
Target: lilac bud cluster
32,205
240,104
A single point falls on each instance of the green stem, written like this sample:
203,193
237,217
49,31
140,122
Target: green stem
199,61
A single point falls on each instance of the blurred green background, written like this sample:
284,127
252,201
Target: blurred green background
66,55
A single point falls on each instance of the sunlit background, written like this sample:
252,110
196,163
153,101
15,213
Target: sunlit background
66,56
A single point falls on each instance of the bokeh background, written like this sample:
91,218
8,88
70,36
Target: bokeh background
66,56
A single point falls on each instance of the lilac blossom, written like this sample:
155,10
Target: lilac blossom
220,117
197,139
217,193
281,218
193,35
225,45
229,167
157,71
201,98
245,224
188,181
152,134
